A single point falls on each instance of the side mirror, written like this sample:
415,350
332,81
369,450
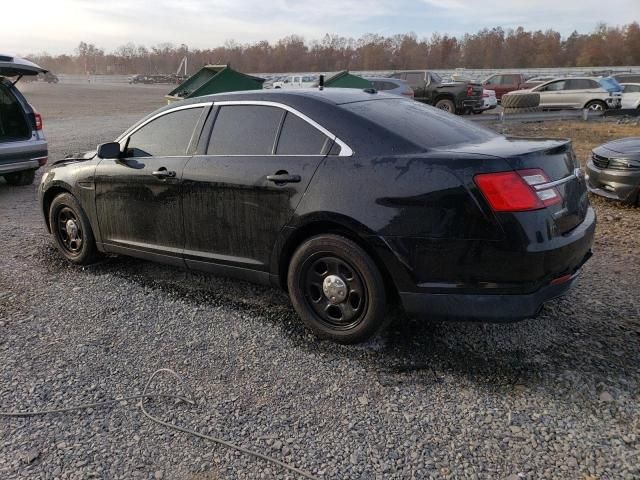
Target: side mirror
109,150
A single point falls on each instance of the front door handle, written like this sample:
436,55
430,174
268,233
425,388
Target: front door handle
162,172
282,178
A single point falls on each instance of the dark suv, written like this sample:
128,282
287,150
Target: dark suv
23,148
453,97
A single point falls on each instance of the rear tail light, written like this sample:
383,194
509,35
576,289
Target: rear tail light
42,161
517,191
408,93
38,119
469,91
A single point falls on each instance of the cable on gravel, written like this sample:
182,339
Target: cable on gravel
146,395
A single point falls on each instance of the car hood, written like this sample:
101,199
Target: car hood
627,146
11,66
76,157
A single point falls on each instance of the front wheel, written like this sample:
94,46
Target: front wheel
20,179
71,230
337,289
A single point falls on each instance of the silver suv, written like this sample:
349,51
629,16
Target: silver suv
23,147
592,93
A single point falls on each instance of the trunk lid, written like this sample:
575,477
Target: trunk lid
557,160
11,66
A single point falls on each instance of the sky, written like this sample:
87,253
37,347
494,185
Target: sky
58,26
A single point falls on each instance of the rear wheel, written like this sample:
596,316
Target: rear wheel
71,230
337,289
20,179
446,105
596,106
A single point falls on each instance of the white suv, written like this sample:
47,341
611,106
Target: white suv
579,92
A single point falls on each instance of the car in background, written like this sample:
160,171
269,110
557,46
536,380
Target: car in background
346,198
631,95
296,81
627,77
503,83
592,93
535,81
395,86
490,101
454,97
613,171
23,147
51,78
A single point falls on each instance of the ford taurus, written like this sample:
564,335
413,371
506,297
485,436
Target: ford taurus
350,200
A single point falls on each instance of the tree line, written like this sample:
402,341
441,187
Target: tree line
488,48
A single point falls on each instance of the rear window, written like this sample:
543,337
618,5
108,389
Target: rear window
420,124
299,138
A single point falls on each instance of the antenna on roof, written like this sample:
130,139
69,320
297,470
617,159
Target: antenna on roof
321,83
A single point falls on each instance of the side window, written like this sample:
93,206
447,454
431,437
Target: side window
578,84
632,88
497,80
299,138
592,84
166,136
415,78
245,130
509,79
555,86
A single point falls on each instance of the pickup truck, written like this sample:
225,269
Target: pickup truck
455,97
503,83
296,81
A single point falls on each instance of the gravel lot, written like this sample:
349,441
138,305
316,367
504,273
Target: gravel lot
554,397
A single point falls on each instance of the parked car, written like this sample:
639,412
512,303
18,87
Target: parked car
51,78
346,198
452,97
296,81
613,171
535,81
627,77
490,101
631,95
394,86
579,92
503,83
23,147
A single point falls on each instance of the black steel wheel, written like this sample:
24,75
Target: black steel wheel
337,289
71,230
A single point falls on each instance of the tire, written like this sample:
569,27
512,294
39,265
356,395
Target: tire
508,111
520,100
446,104
362,311
74,240
596,105
20,179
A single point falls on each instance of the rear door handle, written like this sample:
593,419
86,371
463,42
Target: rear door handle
282,178
163,173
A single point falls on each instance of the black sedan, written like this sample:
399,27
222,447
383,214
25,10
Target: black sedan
614,170
350,200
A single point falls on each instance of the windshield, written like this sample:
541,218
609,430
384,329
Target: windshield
610,84
421,124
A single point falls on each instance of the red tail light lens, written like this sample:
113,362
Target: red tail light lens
516,191
469,91
38,119
408,93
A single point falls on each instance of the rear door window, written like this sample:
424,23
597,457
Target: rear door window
555,86
166,136
298,137
245,130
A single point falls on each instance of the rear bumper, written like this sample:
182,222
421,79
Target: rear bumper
484,307
619,185
19,166
475,103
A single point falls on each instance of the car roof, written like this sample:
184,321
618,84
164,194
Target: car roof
399,81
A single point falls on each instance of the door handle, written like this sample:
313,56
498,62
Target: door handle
282,178
163,173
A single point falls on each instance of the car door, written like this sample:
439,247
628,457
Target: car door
495,83
244,188
630,96
551,94
138,196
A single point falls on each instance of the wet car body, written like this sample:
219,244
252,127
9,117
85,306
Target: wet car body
416,209
614,170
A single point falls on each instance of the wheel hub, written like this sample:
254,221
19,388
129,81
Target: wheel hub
335,289
71,228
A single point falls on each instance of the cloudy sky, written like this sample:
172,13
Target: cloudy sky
57,26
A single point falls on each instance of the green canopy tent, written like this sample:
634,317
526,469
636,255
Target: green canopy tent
345,79
214,79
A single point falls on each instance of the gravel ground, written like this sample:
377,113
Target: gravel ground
554,397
